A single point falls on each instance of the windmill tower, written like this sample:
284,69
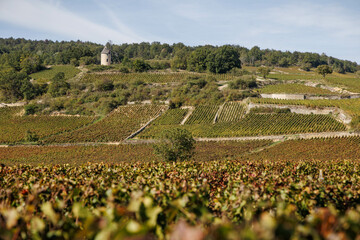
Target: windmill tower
105,56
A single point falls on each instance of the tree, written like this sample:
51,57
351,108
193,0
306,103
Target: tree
324,70
223,60
58,85
30,64
176,144
139,65
16,85
197,61
264,71
180,59
254,54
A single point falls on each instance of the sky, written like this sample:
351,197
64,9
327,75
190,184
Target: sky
322,26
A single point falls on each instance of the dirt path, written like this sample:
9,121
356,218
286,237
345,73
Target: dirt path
18,104
143,127
191,109
218,113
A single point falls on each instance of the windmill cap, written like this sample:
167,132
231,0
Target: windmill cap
105,50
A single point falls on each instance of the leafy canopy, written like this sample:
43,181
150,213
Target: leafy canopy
324,70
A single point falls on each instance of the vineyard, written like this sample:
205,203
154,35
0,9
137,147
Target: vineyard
118,125
13,126
171,116
77,155
256,124
232,112
351,84
196,200
203,114
154,77
313,149
294,89
352,106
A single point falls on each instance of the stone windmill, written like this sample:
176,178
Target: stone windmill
105,56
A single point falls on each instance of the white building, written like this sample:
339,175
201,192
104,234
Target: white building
105,56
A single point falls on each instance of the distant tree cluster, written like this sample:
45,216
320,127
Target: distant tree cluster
28,55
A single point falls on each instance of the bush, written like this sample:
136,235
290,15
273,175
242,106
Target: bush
31,136
306,67
140,65
124,70
104,85
263,71
30,109
58,85
270,110
242,84
176,144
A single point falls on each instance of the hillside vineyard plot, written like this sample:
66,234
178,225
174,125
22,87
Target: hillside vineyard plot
232,112
171,116
153,200
77,155
13,126
313,149
118,125
295,89
257,124
203,114
156,77
351,106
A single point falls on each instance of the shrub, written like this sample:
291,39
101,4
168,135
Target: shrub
30,109
31,136
104,85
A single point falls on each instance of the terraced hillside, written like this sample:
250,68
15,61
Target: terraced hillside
200,123
351,106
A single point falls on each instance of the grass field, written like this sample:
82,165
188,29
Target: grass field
349,81
47,74
294,89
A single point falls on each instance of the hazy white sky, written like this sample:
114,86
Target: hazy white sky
330,26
